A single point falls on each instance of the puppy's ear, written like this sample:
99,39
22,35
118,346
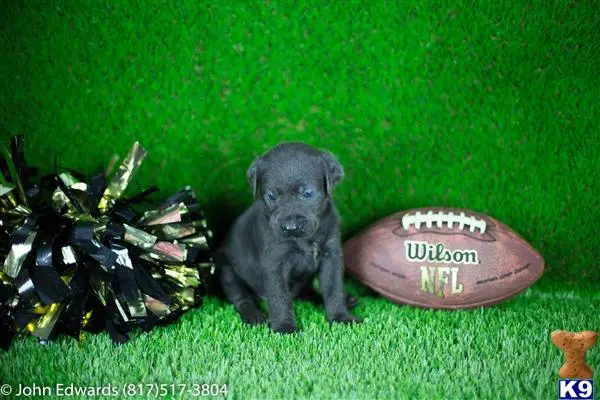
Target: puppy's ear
334,172
253,174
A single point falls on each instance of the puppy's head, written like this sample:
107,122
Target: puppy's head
295,182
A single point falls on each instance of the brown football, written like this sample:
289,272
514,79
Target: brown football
443,258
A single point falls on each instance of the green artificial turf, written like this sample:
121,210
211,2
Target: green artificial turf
491,106
398,352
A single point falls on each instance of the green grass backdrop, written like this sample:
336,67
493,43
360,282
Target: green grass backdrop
491,106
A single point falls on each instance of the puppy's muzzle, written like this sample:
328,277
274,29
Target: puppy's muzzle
294,225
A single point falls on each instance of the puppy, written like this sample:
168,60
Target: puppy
289,235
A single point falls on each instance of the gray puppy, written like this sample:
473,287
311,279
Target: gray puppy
289,235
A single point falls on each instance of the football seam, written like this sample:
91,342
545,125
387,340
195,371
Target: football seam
464,233
438,218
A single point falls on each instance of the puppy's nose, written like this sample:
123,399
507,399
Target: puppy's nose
293,224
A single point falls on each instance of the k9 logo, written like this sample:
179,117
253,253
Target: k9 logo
575,389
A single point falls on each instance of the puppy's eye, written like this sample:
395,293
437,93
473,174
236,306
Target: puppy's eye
308,194
271,196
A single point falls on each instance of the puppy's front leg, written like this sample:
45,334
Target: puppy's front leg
331,277
279,301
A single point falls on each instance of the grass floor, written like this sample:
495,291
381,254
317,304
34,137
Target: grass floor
491,106
398,352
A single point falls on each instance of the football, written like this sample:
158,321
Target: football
442,258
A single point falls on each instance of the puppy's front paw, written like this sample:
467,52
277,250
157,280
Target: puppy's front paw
285,328
256,318
345,319
252,315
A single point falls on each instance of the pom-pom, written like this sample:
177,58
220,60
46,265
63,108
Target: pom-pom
76,256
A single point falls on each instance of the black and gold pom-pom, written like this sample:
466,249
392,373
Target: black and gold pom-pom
76,257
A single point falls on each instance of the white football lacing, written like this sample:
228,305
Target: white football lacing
440,218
